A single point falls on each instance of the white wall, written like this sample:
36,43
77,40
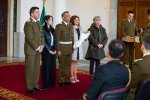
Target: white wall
23,8
87,9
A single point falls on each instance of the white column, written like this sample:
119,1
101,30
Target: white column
59,8
113,19
23,7
10,28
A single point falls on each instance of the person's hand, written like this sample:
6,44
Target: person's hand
141,30
52,52
40,48
100,46
59,53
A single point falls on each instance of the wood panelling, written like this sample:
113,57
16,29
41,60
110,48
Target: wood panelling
139,7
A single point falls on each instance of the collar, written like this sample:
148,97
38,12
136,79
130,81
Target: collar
65,23
34,20
146,54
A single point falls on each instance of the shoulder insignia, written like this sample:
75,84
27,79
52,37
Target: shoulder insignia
28,20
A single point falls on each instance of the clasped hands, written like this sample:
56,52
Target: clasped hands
100,46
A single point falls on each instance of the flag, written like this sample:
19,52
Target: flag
43,14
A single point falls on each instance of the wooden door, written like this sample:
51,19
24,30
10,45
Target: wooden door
139,7
3,27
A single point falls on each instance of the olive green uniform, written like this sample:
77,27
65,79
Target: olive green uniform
33,39
129,29
146,31
140,71
64,35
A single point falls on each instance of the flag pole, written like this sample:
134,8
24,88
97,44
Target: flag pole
44,2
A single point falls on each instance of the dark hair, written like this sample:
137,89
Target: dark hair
45,27
148,12
146,42
73,18
64,13
130,12
33,9
116,48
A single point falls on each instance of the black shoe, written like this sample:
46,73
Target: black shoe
31,91
67,83
61,84
38,89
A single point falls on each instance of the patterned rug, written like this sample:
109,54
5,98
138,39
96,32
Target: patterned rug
12,86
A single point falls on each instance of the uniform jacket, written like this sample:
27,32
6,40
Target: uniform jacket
33,37
97,36
146,31
129,28
139,72
64,33
110,76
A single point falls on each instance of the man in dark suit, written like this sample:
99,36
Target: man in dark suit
33,46
111,75
140,69
64,36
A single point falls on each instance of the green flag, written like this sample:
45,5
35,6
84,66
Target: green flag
43,14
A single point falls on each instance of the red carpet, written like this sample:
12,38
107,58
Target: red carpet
12,78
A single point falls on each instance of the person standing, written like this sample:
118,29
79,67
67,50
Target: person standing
77,52
64,36
33,46
129,29
146,31
49,54
97,41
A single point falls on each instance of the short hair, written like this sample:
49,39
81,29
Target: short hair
130,12
146,42
96,18
73,18
116,48
33,9
148,12
64,13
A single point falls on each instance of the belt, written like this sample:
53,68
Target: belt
68,42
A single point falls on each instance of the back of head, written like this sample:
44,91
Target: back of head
116,48
146,42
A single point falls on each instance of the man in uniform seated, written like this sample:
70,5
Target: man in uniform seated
140,69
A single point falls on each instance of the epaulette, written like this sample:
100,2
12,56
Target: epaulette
138,59
28,20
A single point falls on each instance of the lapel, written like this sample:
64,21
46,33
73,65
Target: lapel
100,34
64,25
